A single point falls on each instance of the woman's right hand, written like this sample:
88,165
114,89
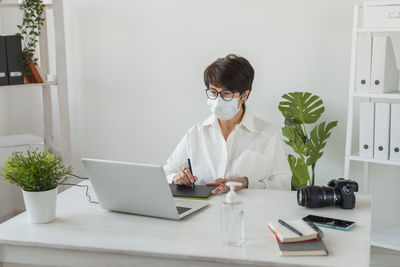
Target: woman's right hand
184,177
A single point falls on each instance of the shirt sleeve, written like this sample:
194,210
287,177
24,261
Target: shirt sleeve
280,177
177,159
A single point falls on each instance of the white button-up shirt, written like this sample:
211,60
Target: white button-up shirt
253,149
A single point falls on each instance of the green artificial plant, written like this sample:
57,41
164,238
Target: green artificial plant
301,109
29,30
36,170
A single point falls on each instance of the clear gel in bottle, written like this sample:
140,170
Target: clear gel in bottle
232,224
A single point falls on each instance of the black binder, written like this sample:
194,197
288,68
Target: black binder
3,61
15,67
199,191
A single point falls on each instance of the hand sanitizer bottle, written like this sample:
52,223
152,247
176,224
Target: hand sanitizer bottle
232,225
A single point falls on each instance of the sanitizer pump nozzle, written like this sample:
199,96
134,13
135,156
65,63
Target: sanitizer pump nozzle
232,226
232,197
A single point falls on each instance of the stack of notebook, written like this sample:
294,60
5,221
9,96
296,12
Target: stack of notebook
298,238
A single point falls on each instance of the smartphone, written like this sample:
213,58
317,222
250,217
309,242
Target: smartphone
330,222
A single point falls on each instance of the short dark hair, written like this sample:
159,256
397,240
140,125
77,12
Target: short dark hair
233,73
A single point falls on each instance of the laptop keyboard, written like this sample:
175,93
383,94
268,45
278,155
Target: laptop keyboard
182,209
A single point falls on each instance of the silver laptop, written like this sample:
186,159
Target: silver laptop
137,188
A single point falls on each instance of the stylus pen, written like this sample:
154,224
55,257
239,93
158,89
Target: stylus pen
290,227
190,169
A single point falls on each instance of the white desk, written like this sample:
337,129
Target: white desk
86,235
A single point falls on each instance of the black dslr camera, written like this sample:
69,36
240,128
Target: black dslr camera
339,192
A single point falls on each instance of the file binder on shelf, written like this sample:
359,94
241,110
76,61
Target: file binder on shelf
395,132
14,50
382,128
384,72
3,61
367,113
363,65
380,14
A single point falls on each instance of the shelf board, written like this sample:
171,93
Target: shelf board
377,29
385,237
14,3
28,85
20,140
370,160
395,95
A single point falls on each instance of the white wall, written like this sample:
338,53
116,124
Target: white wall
135,73
136,66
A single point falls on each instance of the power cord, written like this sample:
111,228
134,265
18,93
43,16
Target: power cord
82,178
87,187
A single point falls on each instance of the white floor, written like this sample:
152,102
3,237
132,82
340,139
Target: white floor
380,257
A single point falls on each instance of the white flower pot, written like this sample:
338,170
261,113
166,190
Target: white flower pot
41,206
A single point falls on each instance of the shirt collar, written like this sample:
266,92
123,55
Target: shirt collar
209,121
247,120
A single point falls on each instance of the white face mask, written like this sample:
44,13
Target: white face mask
225,110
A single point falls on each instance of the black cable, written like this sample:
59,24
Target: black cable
87,190
82,178
87,187
74,175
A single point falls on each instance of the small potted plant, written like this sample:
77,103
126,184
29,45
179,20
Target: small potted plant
37,173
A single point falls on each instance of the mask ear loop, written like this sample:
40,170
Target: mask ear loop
241,97
244,101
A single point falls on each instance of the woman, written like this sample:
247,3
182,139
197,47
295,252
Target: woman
232,144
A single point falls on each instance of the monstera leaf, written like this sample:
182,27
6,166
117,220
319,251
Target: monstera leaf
318,137
299,169
301,107
294,140
297,128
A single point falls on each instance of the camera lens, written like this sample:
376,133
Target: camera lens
317,196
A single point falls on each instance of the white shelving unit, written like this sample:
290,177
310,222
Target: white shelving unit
61,82
377,29
378,96
387,237
28,85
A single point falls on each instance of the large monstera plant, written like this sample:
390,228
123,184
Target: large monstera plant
301,109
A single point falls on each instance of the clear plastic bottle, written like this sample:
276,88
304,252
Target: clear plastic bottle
232,224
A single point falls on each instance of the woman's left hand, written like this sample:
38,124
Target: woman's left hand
222,187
